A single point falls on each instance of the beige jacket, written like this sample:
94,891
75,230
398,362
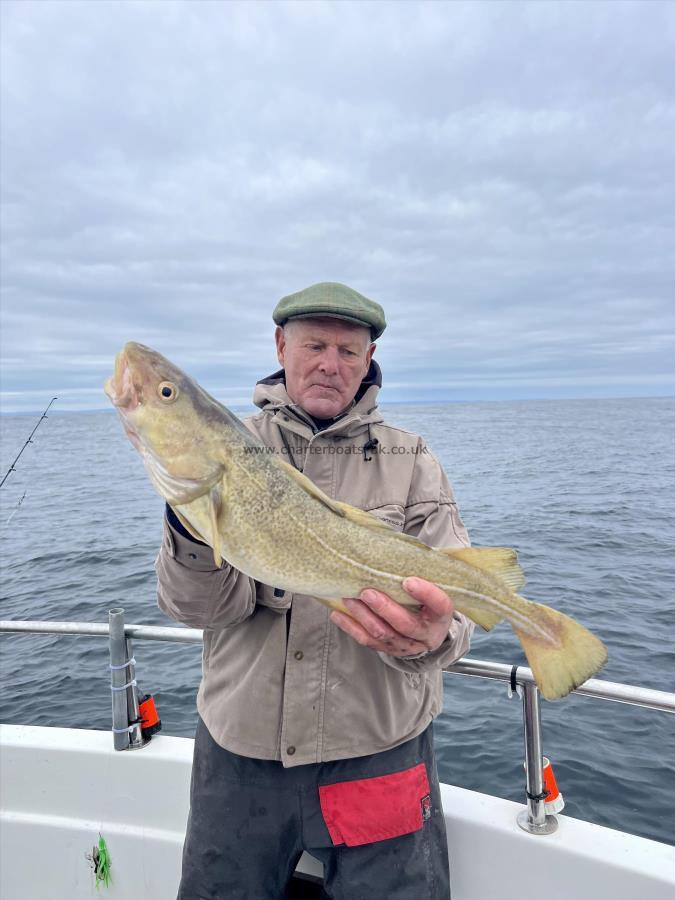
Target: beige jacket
280,681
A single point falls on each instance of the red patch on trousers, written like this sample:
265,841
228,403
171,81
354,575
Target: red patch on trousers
374,809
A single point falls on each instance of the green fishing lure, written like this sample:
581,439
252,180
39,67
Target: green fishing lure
101,859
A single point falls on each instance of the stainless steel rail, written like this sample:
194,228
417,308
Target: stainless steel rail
480,668
533,819
649,698
94,629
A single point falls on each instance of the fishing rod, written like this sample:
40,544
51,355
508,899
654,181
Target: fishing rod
29,441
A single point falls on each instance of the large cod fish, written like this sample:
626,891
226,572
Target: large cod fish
274,524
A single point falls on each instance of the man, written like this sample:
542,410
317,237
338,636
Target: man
315,726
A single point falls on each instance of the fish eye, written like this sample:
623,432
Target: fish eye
167,390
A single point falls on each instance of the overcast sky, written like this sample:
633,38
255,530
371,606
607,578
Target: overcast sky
500,176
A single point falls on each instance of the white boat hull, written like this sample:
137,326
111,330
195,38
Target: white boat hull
61,787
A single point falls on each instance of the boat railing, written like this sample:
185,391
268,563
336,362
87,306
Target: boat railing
127,723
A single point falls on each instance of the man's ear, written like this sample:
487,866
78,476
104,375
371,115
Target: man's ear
280,339
369,355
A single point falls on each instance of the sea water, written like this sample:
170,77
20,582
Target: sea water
583,489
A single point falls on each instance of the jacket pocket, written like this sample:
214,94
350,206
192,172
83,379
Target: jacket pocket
375,809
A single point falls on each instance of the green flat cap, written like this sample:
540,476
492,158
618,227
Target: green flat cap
329,298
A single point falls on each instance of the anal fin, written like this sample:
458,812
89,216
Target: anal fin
486,618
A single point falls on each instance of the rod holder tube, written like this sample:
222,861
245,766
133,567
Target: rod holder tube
119,676
136,739
534,818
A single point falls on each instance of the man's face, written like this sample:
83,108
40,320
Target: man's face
325,361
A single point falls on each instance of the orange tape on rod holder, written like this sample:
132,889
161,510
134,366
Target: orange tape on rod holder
554,801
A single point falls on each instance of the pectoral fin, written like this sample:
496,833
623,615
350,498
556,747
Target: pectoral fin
188,527
215,506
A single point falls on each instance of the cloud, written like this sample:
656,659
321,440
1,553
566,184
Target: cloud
499,176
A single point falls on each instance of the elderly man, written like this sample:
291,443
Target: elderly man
315,726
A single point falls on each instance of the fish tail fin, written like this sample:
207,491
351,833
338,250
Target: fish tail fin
562,653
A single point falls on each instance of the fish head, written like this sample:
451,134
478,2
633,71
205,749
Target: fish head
170,420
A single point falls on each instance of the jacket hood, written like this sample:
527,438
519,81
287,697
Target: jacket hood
271,396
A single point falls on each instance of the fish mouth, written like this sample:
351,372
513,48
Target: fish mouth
133,436
120,388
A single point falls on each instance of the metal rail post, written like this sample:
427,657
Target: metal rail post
534,819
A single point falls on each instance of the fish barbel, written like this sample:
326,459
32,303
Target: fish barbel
271,522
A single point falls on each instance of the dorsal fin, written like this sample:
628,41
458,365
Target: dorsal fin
361,517
345,510
368,520
499,561
312,489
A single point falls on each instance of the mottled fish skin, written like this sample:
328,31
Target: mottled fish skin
273,524
272,529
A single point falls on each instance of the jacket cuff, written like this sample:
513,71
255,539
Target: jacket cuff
455,645
188,552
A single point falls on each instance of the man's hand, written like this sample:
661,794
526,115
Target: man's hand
378,622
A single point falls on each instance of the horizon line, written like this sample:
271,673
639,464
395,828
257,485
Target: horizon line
415,402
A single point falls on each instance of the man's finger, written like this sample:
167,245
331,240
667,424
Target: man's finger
432,598
374,624
397,646
402,620
351,627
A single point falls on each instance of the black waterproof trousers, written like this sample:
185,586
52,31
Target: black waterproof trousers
375,822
